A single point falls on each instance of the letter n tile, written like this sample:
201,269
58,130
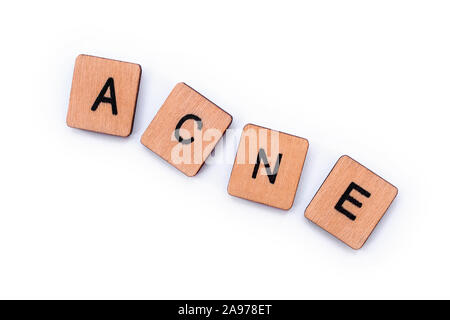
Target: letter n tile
351,202
268,166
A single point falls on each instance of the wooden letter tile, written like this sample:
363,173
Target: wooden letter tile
103,96
186,129
268,166
351,202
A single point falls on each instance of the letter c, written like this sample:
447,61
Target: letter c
180,123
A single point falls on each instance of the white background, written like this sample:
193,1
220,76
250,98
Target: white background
86,215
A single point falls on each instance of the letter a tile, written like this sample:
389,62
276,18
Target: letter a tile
351,202
186,129
103,96
268,167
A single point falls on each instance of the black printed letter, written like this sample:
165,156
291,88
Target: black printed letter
272,175
347,197
180,123
101,97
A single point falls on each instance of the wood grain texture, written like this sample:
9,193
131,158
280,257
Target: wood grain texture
248,184
322,209
160,136
89,78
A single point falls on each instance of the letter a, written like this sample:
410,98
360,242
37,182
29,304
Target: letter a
111,100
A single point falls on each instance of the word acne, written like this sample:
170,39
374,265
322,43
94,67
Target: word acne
268,163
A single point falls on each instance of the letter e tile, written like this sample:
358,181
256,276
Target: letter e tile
351,202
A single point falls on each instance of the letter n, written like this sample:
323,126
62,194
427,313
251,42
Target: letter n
272,175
